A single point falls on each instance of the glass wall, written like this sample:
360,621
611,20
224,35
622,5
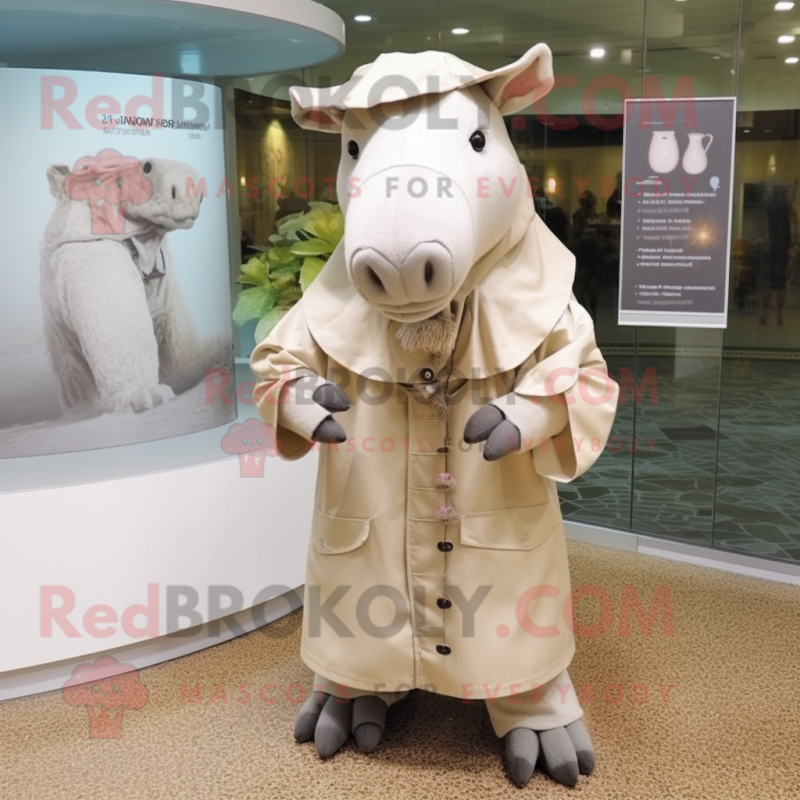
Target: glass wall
703,447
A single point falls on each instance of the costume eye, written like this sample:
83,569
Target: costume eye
352,149
478,141
147,167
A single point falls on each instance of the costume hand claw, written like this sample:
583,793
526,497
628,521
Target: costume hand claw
489,424
332,399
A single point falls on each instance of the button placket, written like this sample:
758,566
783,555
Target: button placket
448,515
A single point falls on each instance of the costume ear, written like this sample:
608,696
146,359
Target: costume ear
309,114
316,119
56,175
522,83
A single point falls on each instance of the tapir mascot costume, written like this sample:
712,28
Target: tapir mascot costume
451,377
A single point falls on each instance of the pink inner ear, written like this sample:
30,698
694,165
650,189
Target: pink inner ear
525,83
542,89
320,117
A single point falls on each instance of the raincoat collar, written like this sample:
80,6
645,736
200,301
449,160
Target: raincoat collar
517,293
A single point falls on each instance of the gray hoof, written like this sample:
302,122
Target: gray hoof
368,736
331,398
329,431
369,721
482,423
333,726
522,750
584,749
306,721
504,439
558,755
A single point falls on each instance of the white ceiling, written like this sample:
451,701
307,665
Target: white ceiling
695,37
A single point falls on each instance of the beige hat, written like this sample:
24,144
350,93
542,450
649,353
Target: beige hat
400,76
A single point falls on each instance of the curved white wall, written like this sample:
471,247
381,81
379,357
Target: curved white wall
201,527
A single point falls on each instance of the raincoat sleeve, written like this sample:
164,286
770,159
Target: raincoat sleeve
289,352
568,368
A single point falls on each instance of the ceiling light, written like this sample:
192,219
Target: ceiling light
784,6
597,52
785,39
362,18
460,31
746,130
792,60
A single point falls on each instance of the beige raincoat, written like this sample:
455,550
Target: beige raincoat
376,553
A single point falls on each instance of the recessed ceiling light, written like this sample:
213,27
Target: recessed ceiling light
785,39
745,130
362,18
784,6
792,60
460,31
597,52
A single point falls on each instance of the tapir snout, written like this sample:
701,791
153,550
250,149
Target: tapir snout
404,255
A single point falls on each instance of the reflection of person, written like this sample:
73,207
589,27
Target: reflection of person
585,215
245,241
552,215
614,203
588,250
291,204
780,217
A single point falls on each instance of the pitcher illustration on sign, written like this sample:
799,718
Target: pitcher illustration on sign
695,159
664,154
452,378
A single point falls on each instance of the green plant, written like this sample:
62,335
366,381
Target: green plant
275,279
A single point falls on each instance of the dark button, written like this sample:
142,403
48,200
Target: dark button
444,449
442,649
427,375
445,547
443,603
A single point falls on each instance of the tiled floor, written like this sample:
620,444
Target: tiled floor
756,469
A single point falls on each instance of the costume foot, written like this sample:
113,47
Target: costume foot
333,726
330,720
306,720
522,750
558,756
369,721
584,749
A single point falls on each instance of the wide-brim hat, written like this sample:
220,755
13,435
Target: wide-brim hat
393,77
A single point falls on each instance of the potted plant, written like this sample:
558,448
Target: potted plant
275,279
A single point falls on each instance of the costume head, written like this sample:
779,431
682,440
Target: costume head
428,180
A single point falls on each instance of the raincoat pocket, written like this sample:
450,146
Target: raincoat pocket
520,528
335,535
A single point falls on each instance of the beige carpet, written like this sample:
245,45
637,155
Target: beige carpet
730,727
